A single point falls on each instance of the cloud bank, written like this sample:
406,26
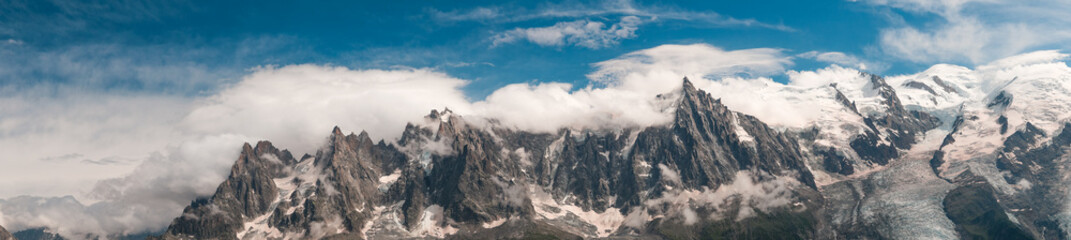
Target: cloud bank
295,106
654,70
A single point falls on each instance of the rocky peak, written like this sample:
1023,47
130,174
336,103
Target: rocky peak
887,93
947,87
843,100
1001,101
687,87
5,235
336,131
717,142
247,192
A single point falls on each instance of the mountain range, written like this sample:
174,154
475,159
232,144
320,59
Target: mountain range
935,155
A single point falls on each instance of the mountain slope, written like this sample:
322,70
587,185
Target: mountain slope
5,235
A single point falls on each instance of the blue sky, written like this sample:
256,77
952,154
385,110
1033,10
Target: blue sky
210,43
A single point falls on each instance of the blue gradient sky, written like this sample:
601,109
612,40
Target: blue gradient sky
204,45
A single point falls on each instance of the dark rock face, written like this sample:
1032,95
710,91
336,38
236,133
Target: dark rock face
973,207
833,162
918,85
938,156
1036,165
38,234
1001,100
944,85
270,187
249,191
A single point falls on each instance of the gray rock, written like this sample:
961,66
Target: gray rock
5,235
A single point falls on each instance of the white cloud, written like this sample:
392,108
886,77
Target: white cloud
976,31
836,58
70,115
751,194
295,106
146,200
1032,58
669,173
583,33
548,107
48,140
630,84
659,69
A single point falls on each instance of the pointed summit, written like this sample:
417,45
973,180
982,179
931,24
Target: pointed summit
689,96
687,87
434,115
336,131
4,234
363,136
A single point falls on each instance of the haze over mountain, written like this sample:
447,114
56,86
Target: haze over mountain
614,119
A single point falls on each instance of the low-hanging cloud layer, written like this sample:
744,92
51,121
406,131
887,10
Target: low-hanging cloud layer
193,142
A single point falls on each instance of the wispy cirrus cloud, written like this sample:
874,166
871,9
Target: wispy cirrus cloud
45,19
575,25
599,9
475,14
582,33
975,31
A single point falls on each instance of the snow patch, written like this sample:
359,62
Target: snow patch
386,181
495,223
605,222
740,131
433,224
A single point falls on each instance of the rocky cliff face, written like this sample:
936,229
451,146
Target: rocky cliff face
5,235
